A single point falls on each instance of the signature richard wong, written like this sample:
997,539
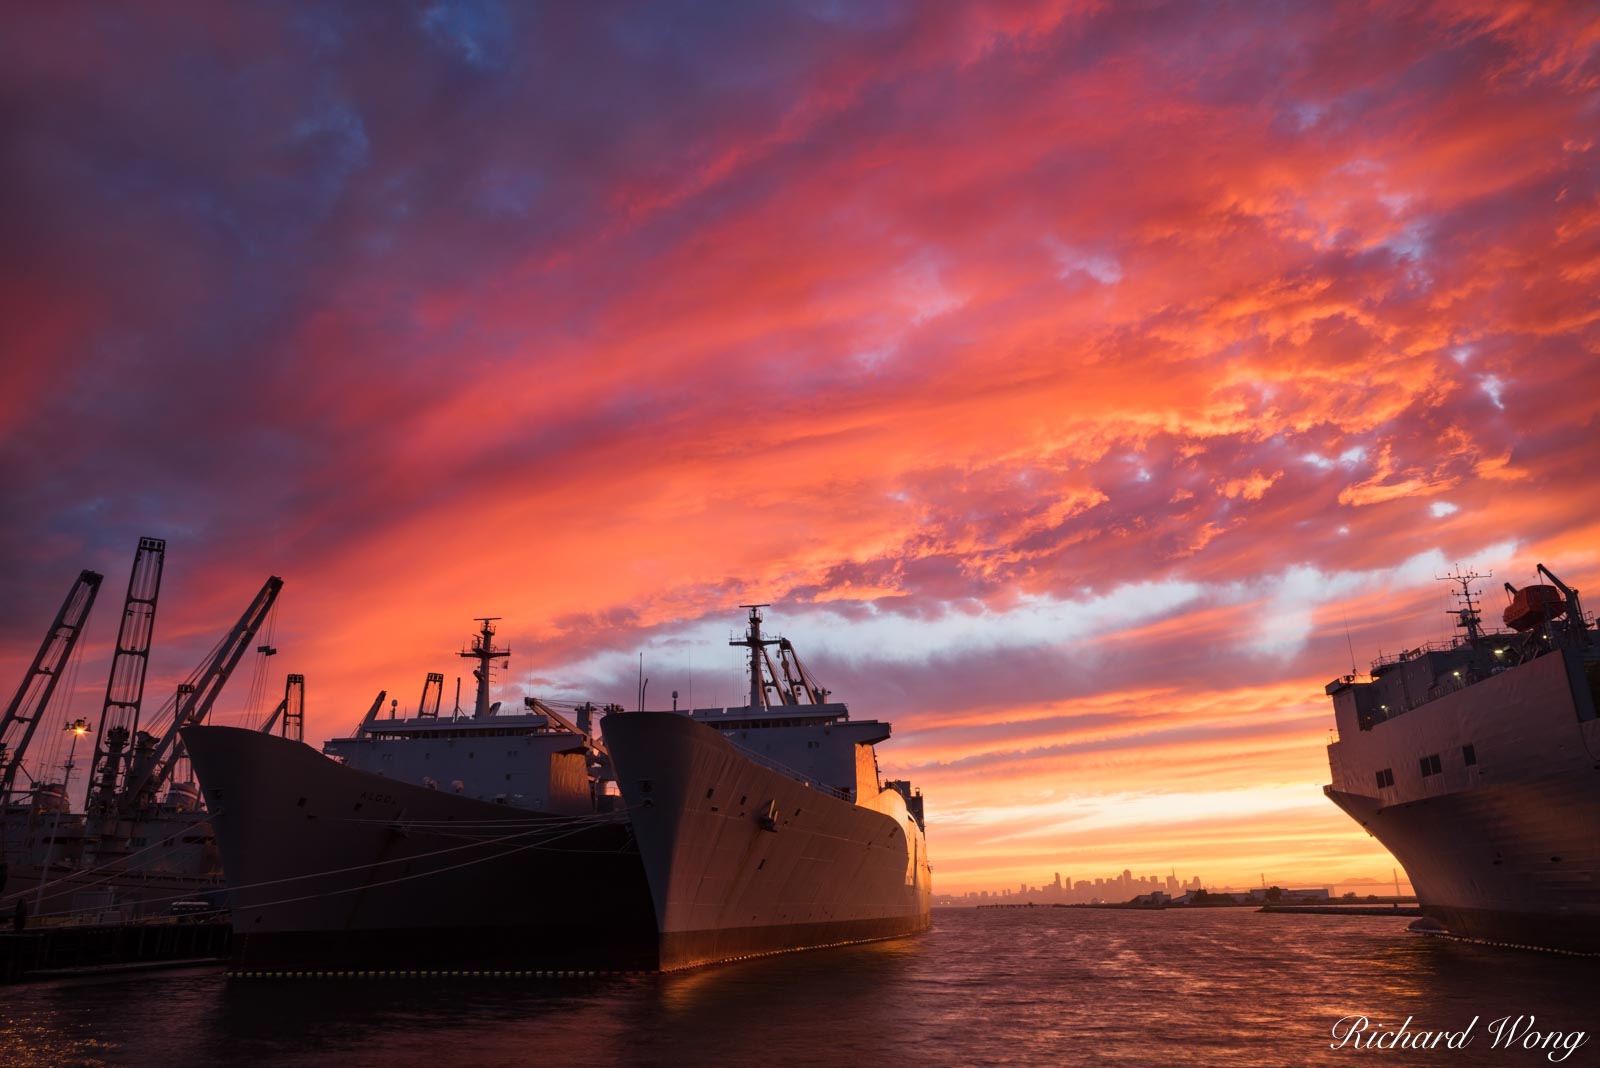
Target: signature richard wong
1506,1032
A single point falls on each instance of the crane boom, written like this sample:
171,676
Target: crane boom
33,696
157,768
372,714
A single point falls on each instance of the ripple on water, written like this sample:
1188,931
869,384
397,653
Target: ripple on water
986,987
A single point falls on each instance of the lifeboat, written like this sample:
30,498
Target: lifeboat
1533,606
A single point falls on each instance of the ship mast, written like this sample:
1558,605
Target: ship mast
484,652
757,646
1467,616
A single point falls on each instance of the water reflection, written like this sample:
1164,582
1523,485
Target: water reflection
994,987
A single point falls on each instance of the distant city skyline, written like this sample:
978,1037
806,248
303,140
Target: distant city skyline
1063,889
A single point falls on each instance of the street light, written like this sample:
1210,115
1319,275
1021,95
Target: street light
78,727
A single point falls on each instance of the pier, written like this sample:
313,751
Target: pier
79,949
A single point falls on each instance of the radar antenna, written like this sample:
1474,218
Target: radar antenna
484,652
758,656
1468,617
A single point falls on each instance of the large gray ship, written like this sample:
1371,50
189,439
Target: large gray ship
1476,762
473,840
767,828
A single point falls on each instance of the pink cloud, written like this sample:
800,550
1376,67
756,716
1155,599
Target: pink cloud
605,324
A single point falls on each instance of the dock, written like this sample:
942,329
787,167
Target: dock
1346,910
84,949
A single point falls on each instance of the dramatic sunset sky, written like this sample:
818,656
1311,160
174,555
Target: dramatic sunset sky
1069,376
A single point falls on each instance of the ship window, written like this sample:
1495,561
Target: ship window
709,791
1430,765
1469,755
645,786
300,803
1385,778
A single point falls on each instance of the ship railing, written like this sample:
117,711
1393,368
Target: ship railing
798,776
1415,653
1559,634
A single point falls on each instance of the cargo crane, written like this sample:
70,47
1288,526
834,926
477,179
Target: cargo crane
432,696
33,696
292,708
796,676
365,729
119,718
155,758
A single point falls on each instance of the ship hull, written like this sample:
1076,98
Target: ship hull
743,860
333,868
1514,863
1504,848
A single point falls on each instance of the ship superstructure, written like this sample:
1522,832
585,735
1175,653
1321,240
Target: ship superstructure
1476,762
767,827
537,758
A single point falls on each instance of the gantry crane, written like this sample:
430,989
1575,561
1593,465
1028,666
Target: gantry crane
119,718
33,696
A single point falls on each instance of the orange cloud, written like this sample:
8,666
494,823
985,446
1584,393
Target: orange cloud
1093,368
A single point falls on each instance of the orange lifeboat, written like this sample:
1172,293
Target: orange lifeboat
1533,606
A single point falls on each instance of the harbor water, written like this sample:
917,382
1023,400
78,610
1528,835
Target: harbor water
1014,986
